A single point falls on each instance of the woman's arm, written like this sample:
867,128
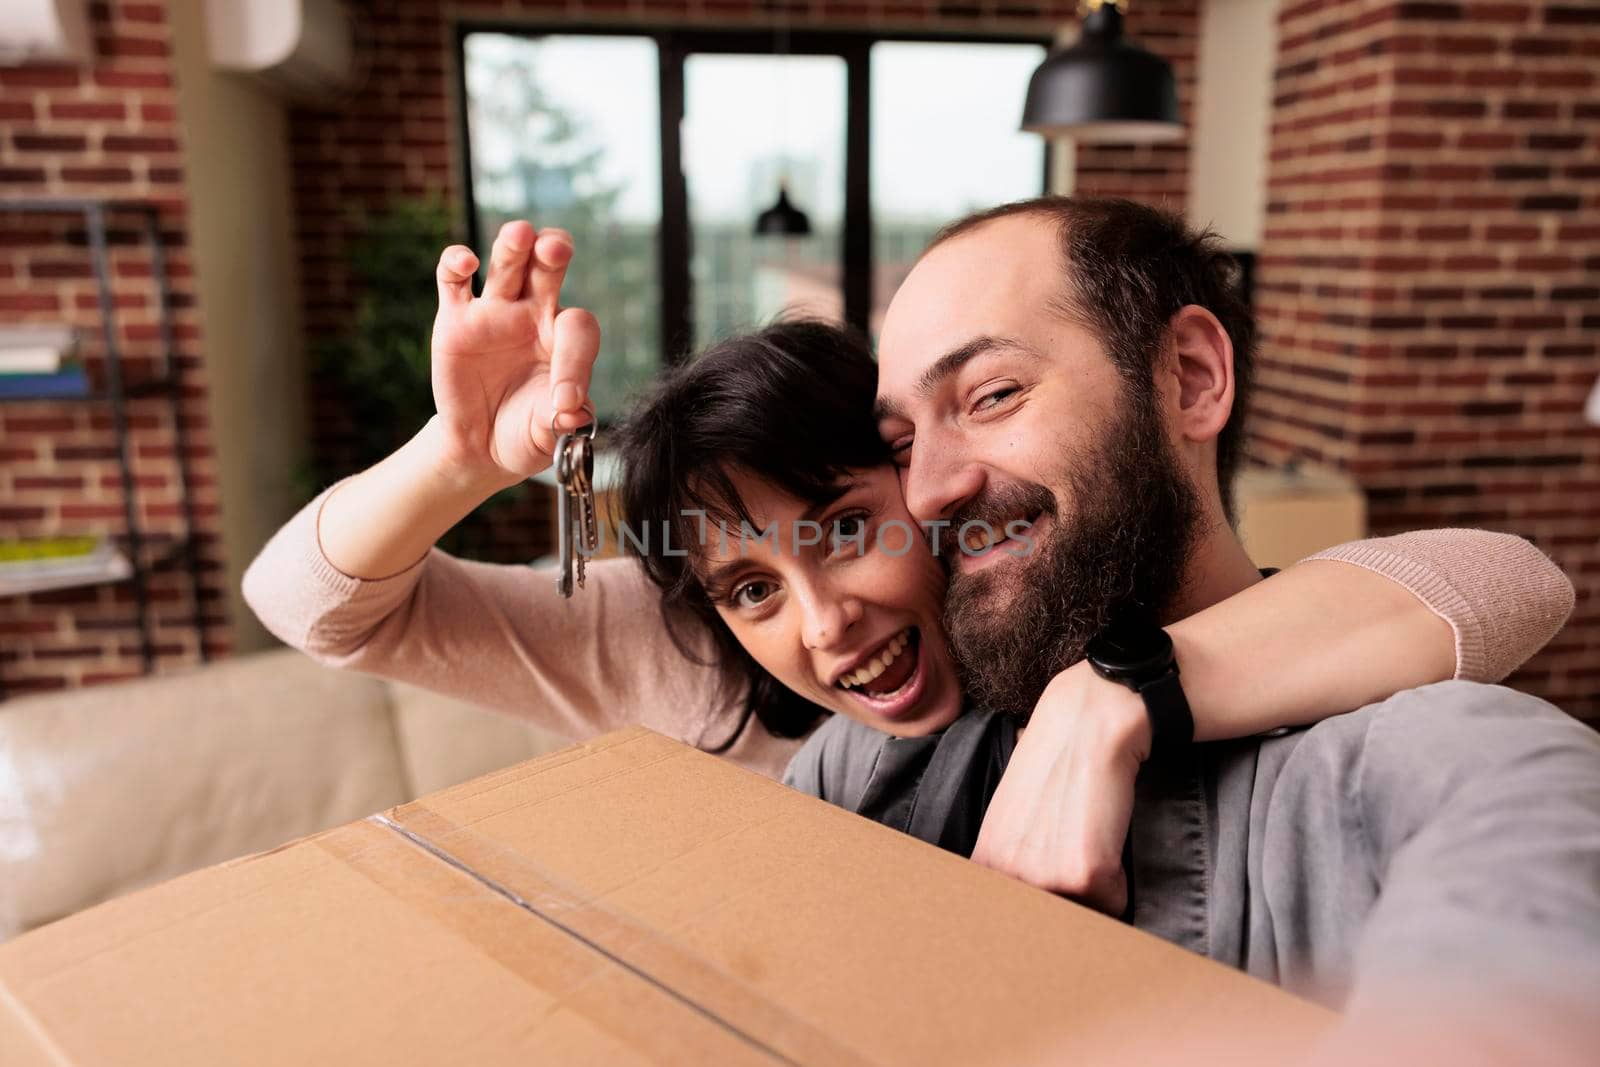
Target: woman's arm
1362,621
1322,637
503,638
1502,597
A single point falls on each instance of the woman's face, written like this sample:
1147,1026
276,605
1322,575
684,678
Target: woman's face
841,604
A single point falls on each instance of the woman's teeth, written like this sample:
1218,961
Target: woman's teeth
879,663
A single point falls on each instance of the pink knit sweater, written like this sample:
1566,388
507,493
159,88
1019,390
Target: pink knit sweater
501,637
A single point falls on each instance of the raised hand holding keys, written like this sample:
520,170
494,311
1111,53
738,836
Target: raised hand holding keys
511,368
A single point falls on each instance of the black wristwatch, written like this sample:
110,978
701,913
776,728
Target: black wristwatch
1139,655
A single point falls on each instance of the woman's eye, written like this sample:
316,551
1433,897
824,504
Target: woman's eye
751,594
849,530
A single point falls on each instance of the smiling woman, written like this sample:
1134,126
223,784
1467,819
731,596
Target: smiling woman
824,595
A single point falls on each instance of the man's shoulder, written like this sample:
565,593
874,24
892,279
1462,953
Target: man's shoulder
1454,713
1429,740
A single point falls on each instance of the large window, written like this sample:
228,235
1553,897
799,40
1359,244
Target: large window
659,150
564,132
794,110
945,142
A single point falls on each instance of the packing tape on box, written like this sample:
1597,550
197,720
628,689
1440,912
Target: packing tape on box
616,940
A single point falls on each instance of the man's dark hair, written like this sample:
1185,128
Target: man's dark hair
791,405
1129,268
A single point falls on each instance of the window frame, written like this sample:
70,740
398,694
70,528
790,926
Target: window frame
675,44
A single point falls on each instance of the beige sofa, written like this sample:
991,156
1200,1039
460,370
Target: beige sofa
107,789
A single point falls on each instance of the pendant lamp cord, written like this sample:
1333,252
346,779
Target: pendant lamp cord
783,97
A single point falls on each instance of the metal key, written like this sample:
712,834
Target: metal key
577,527
585,525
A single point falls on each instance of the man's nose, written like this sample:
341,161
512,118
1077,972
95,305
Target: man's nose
827,615
938,482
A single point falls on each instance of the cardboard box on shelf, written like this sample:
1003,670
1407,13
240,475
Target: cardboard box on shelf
627,900
1287,514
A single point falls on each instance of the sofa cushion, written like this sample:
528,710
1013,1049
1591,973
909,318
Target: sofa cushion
444,741
112,787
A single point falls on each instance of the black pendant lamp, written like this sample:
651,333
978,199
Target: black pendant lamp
783,219
1104,89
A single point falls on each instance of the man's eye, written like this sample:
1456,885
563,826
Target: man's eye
751,594
994,397
900,452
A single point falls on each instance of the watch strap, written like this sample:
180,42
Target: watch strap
1171,721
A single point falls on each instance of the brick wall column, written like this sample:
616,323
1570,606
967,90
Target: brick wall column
108,128
1429,282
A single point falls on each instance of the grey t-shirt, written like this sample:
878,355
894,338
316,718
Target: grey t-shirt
1449,833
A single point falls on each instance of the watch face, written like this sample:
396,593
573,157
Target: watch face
1131,649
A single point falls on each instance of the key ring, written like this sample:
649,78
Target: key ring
592,425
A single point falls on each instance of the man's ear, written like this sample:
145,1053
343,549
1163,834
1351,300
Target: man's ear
1202,357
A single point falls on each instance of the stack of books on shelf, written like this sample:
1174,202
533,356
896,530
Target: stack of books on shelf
33,564
40,361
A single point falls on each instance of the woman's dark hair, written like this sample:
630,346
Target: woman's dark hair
791,405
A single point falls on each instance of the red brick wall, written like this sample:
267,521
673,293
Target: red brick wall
1429,284
108,129
398,135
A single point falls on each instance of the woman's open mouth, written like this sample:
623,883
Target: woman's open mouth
891,683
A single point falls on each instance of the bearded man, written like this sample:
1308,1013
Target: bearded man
1079,369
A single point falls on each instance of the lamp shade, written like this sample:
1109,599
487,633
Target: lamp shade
783,219
1103,89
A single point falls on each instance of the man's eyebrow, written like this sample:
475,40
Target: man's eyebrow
947,365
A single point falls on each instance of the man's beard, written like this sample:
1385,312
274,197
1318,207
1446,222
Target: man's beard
1135,519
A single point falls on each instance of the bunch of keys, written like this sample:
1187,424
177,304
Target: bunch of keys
579,533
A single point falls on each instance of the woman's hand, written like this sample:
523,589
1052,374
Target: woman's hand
1060,815
510,361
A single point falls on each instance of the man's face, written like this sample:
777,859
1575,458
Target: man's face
1006,414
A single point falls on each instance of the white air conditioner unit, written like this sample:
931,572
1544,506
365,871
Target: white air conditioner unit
44,30
301,48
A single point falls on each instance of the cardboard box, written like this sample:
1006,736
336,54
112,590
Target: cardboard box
1286,515
629,900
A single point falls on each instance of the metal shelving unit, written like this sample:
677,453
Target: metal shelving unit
115,392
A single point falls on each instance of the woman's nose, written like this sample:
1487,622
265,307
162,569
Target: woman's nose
829,615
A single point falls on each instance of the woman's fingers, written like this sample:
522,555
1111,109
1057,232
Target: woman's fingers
547,269
454,275
577,343
508,262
